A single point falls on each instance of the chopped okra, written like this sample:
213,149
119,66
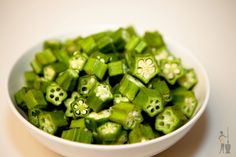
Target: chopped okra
110,87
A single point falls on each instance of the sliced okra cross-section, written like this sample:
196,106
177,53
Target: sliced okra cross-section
189,79
129,86
171,70
162,87
150,101
126,114
80,108
68,102
161,53
82,135
145,67
109,131
86,84
96,67
51,122
55,94
99,97
169,120
141,133
35,98
185,101
67,79
77,61
52,70
33,115
94,119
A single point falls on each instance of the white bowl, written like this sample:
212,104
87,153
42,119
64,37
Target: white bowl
73,149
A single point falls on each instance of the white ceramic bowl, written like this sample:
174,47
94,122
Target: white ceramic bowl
73,149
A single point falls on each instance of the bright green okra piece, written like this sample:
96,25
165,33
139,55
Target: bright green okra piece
129,86
162,87
41,83
120,38
88,45
52,44
169,120
99,97
77,123
68,102
140,47
96,67
77,61
45,57
67,79
82,135
132,43
189,79
145,67
36,66
35,98
99,35
116,68
122,138
150,101
80,108
50,71
51,122
100,56
30,77
118,98
126,114
153,39
109,131
141,133
71,46
105,45
161,53
19,97
185,101
94,119
55,94
33,116
171,70
86,84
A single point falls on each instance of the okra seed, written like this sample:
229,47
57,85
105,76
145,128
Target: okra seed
177,71
75,106
170,75
77,112
167,66
174,65
81,102
149,61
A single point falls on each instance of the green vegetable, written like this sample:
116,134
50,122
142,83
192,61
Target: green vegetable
141,133
189,79
82,135
77,123
45,57
86,84
77,61
34,115
19,97
52,70
80,107
109,131
34,98
68,102
55,94
67,79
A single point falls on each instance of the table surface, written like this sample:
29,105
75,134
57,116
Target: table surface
207,27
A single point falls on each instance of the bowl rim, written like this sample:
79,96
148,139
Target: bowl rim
114,147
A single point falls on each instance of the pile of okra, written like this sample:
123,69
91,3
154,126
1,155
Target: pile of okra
111,87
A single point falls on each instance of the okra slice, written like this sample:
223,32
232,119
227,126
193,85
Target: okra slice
132,43
153,39
141,133
100,56
82,135
169,120
77,123
131,30
185,101
62,55
140,47
34,98
52,70
162,87
67,79
145,67
94,119
86,84
118,98
19,97
36,66
96,67
80,107
70,46
41,83
122,138
189,79
77,61
129,86
45,57
161,53
150,101
99,97
126,114
99,35
88,45
171,70
30,77
68,102
109,131
52,44
116,68
105,44
55,94
33,115
120,38
51,122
